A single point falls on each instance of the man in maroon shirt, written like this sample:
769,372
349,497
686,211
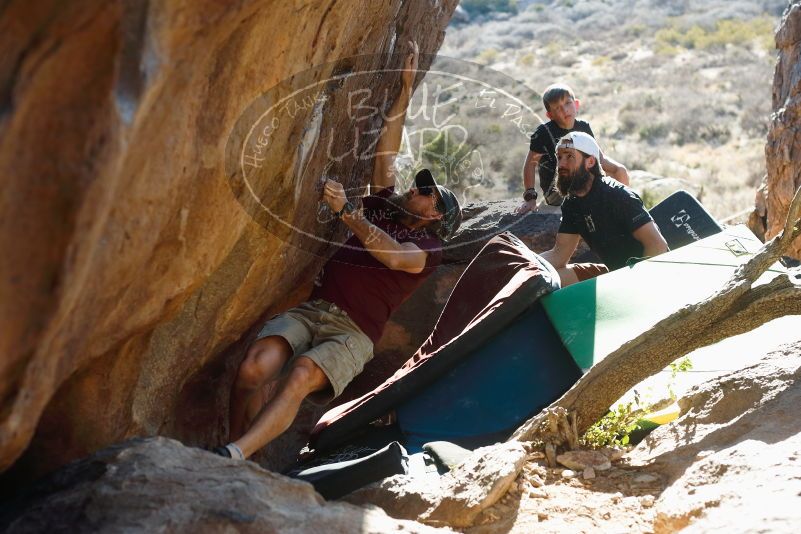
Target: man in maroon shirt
316,349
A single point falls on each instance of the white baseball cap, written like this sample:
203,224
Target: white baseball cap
581,142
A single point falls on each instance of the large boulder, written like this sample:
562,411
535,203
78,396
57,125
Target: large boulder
156,484
783,150
733,459
454,499
134,271
653,188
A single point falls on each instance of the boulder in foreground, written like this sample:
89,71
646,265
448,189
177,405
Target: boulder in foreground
158,484
733,458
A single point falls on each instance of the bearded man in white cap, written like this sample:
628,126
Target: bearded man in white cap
608,215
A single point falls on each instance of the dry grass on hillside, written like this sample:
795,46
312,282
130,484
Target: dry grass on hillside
679,89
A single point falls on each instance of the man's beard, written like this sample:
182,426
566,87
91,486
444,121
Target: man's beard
577,181
399,213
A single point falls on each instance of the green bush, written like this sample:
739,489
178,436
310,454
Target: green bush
726,32
636,30
654,132
691,132
652,102
526,60
614,428
629,121
483,7
649,199
452,159
487,56
679,366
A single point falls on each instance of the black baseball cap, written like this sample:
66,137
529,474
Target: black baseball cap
447,205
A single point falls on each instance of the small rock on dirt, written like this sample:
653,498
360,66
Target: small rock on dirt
538,493
645,478
612,453
580,460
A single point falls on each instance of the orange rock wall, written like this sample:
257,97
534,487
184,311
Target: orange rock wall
129,266
783,150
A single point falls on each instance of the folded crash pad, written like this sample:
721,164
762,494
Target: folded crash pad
597,316
497,288
499,385
683,220
337,479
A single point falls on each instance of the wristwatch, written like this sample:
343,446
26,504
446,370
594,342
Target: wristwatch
530,194
348,208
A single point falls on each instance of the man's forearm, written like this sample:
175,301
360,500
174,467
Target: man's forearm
653,243
390,140
621,175
553,259
563,249
382,246
529,172
530,169
615,169
655,249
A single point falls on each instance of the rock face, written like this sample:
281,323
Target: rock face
131,267
579,460
733,459
653,188
456,498
783,150
145,485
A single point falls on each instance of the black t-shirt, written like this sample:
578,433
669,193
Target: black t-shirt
543,141
606,218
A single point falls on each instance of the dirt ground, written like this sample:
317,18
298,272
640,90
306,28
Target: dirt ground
545,499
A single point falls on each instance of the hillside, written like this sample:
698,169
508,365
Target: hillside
679,88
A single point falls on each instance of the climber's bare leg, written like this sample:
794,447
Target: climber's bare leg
258,400
304,378
261,367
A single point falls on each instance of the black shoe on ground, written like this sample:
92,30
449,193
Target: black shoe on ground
222,451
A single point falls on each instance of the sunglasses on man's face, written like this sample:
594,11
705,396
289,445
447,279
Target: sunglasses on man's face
428,190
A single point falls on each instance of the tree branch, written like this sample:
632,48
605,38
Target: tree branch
776,247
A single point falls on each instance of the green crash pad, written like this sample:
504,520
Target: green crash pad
597,316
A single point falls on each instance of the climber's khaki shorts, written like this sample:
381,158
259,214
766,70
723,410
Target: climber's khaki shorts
324,333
